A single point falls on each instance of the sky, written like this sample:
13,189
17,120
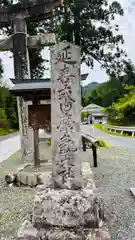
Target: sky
127,28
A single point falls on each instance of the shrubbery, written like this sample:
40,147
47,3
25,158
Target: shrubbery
123,111
8,111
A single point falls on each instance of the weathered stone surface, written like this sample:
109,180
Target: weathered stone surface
67,208
59,234
27,231
10,178
132,190
103,235
65,116
19,169
21,71
29,179
86,170
44,178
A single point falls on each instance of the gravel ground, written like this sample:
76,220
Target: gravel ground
114,177
15,203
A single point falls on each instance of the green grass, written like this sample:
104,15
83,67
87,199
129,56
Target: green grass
103,143
4,132
100,127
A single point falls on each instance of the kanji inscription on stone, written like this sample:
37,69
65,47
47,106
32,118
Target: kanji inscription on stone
65,114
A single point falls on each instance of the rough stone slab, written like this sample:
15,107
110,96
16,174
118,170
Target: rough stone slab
29,179
84,234
67,208
27,231
86,170
132,190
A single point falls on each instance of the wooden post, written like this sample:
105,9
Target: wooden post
22,71
94,150
36,147
36,140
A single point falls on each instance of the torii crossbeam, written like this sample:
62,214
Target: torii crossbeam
32,10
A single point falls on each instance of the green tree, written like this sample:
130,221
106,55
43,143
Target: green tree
11,111
37,62
123,111
89,23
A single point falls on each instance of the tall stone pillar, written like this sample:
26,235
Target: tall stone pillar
65,116
22,71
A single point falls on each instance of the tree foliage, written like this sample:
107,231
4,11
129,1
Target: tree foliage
37,66
109,92
105,94
90,24
118,95
8,107
123,111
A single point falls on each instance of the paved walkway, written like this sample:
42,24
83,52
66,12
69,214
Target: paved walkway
9,146
11,135
116,141
11,143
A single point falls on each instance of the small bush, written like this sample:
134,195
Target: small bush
3,132
83,116
49,142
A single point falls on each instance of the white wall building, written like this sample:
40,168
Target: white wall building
95,114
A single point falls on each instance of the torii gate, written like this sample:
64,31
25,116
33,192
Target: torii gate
17,16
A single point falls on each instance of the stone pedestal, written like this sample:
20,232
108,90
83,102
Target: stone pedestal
66,215
66,208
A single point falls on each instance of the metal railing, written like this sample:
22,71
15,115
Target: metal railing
86,139
120,129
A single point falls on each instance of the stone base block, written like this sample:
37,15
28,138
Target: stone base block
27,175
68,208
81,234
27,231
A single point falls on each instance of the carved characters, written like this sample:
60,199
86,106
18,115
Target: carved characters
66,123
66,144
65,97
67,147
66,75
64,55
65,88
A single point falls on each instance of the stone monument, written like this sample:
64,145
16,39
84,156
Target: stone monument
68,207
66,119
